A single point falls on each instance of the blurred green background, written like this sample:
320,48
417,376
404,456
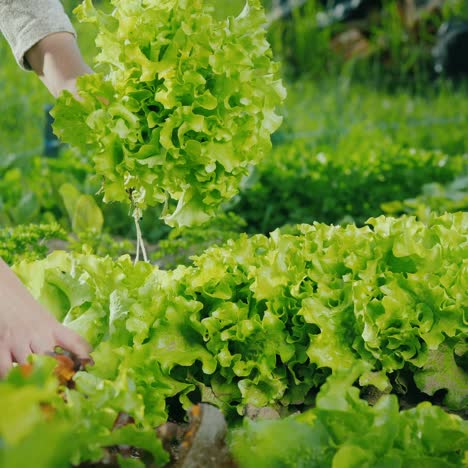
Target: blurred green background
369,128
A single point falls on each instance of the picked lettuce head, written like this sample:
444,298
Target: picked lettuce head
183,105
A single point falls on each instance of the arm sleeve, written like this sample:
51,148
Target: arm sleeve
25,22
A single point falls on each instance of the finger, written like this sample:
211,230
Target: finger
71,341
43,346
5,362
20,353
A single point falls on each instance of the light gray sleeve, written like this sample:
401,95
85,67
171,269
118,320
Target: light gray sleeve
25,22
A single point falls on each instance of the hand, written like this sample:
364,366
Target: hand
26,327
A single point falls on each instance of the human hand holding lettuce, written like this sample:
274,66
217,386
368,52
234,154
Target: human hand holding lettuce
26,327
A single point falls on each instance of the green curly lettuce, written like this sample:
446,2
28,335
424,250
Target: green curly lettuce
47,425
186,103
263,321
343,431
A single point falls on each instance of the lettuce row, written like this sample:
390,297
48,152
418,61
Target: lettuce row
47,425
264,320
343,431
352,180
184,104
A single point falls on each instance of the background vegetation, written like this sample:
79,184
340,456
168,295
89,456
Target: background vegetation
374,133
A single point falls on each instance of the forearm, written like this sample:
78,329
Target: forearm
58,62
42,38
26,22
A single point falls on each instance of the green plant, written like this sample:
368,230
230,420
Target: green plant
29,188
401,52
345,431
457,8
328,115
178,116
21,107
47,425
347,184
434,198
31,192
28,242
302,45
263,321
184,243
102,244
